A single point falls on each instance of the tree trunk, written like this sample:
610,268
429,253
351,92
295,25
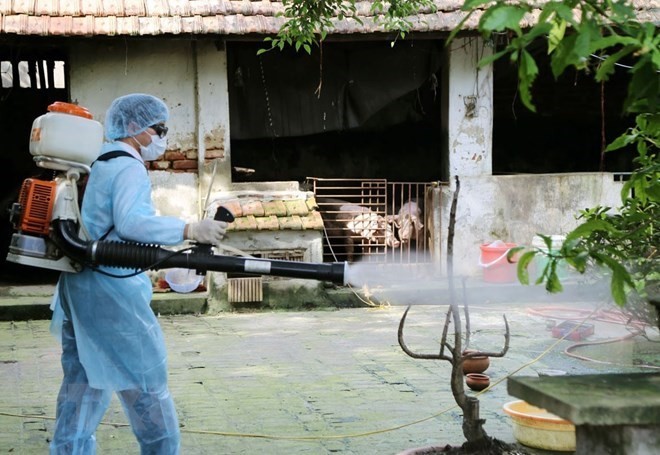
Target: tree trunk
473,426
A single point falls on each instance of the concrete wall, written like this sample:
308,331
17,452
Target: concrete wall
517,207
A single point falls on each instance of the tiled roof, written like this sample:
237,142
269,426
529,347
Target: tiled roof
191,17
273,214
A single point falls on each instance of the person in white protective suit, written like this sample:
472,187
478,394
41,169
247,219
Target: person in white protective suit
111,339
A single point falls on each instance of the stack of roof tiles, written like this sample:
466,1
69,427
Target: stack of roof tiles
274,215
223,17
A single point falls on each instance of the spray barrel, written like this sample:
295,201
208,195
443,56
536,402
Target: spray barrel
67,132
143,256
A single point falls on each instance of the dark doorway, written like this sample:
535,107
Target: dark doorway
353,110
568,131
33,77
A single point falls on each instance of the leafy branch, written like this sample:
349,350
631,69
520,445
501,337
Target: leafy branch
575,32
307,22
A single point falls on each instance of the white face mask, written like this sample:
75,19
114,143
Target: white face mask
154,150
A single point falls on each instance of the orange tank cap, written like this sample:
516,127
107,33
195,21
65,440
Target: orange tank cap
69,108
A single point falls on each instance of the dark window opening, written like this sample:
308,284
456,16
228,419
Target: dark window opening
32,77
566,133
356,110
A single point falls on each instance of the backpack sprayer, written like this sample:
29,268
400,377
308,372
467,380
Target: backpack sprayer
48,223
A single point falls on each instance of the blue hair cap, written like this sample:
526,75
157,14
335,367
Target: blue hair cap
129,115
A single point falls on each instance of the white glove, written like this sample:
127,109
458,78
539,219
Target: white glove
206,231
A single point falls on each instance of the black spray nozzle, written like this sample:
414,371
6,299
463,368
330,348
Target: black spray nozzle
223,214
142,256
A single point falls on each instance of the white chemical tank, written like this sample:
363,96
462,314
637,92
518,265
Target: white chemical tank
67,132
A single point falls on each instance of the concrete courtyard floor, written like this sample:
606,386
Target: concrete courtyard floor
317,382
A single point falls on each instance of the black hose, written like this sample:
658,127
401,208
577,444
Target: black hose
65,236
133,255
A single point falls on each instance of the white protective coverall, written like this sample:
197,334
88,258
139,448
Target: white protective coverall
111,339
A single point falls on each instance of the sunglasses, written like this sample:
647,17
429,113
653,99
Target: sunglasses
160,129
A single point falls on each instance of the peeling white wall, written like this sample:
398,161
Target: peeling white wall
175,194
468,107
213,102
190,76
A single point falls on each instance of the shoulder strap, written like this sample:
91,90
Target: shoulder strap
114,154
103,237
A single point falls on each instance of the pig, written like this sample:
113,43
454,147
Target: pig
350,226
409,221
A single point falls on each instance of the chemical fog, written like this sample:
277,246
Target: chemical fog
426,283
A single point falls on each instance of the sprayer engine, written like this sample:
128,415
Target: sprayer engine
48,223
31,217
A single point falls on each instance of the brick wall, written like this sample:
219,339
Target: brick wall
178,161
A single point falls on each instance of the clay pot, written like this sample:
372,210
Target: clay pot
477,381
477,364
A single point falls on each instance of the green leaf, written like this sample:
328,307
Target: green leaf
623,11
607,66
579,261
532,34
491,58
523,264
655,55
620,277
542,276
573,50
556,35
613,41
501,17
527,72
590,226
565,12
561,57
512,253
472,4
553,284
621,141
547,240
644,88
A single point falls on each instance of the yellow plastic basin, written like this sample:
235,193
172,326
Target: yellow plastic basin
536,427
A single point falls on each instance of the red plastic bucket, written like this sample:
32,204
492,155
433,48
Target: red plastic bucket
496,267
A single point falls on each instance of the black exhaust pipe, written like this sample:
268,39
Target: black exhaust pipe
131,255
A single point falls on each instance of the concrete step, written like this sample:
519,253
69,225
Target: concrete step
21,303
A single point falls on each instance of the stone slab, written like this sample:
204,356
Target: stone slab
598,399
